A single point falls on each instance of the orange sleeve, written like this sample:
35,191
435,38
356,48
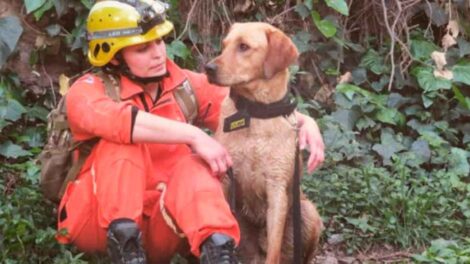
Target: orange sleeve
209,98
91,113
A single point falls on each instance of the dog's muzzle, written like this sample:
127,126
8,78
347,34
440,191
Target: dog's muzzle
211,72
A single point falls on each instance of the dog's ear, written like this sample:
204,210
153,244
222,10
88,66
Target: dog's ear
281,53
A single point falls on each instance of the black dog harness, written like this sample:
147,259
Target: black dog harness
248,109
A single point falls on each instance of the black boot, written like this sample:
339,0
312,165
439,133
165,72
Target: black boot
125,242
218,249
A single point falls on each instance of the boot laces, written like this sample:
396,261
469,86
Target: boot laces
223,254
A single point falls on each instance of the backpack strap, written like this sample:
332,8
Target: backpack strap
187,101
111,85
112,89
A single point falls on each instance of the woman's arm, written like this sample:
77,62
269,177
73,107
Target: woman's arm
156,129
309,134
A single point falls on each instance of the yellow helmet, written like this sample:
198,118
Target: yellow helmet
113,25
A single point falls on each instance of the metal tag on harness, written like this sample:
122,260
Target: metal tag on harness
239,120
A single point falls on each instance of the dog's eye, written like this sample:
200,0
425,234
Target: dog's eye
243,47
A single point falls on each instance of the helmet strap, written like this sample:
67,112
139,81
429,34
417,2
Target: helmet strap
123,69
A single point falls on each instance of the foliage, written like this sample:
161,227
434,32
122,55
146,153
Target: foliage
446,251
397,130
27,220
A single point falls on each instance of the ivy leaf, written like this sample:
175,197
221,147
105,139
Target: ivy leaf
422,49
10,32
437,15
461,72
178,49
302,10
346,117
464,47
390,116
43,9
326,27
3,123
87,3
302,41
388,146
458,162
428,81
10,150
421,149
32,5
53,30
359,76
12,111
374,62
309,4
432,138
339,5
463,100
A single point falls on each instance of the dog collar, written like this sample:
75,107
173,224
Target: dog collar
248,109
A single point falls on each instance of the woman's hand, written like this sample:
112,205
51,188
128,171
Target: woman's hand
309,134
212,152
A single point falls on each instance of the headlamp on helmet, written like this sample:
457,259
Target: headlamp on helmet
113,25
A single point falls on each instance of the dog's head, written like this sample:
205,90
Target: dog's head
251,51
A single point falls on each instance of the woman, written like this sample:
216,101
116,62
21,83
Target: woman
152,180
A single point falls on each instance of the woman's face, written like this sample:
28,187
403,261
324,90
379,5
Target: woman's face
146,59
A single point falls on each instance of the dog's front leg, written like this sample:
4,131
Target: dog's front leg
276,220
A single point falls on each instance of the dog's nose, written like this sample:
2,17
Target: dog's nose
210,68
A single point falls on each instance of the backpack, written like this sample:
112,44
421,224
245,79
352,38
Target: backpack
58,164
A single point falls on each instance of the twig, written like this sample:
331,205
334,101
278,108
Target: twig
338,65
54,98
271,20
389,256
23,19
224,7
430,15
391,32
188,19
317,72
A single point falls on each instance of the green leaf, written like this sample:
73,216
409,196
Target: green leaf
32,5
87,3
373,61
326,27
10,32
461,72
309,4
428,81
349,90
432,138
464,47
339,5
421,149
12,111
437,15
388,146
422,49
458,162
390,116
302,10
53,30
463,100
427,100
43,9
38,112
177,49
10,150
302,41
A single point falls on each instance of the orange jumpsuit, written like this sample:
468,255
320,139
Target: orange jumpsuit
119,179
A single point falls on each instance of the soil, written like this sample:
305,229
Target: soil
43,75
